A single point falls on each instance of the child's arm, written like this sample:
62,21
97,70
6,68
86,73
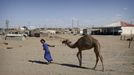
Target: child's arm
51,45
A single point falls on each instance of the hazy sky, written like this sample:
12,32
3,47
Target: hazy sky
60,13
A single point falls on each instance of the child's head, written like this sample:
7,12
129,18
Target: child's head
42,41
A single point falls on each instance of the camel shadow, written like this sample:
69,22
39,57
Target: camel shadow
74,66
62,64
66,65
38,62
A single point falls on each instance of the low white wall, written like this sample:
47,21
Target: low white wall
127,30
14,37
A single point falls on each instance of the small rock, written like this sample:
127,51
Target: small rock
9,47
5,43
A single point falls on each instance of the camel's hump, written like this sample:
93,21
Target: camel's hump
85,40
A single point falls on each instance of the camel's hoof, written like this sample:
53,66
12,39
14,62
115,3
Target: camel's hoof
80,65
93,68
103,70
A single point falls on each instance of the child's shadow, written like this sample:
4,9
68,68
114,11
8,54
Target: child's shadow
38,62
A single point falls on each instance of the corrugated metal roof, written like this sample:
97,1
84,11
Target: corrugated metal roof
124,24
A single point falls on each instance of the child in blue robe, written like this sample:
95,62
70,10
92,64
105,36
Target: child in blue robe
47,54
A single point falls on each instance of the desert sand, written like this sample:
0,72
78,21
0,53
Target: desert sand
26,57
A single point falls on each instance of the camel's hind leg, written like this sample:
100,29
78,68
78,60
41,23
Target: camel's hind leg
98,55
97,58
101,58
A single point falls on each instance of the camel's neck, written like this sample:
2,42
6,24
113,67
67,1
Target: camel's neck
71,45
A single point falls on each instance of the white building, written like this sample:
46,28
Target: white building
127,29
116,28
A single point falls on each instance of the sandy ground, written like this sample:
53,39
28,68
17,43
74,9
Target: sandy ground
118,58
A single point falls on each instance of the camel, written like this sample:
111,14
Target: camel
86,42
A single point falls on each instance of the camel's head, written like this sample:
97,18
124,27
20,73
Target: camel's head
66,41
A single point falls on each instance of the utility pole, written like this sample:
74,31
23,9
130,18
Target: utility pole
72,23
77,23
7,24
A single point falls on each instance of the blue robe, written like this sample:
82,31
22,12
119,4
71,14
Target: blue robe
47,54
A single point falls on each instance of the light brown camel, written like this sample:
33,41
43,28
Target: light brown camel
86,42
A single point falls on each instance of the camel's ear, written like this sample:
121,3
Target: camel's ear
63,41
68,41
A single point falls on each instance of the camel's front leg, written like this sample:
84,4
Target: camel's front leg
78,56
